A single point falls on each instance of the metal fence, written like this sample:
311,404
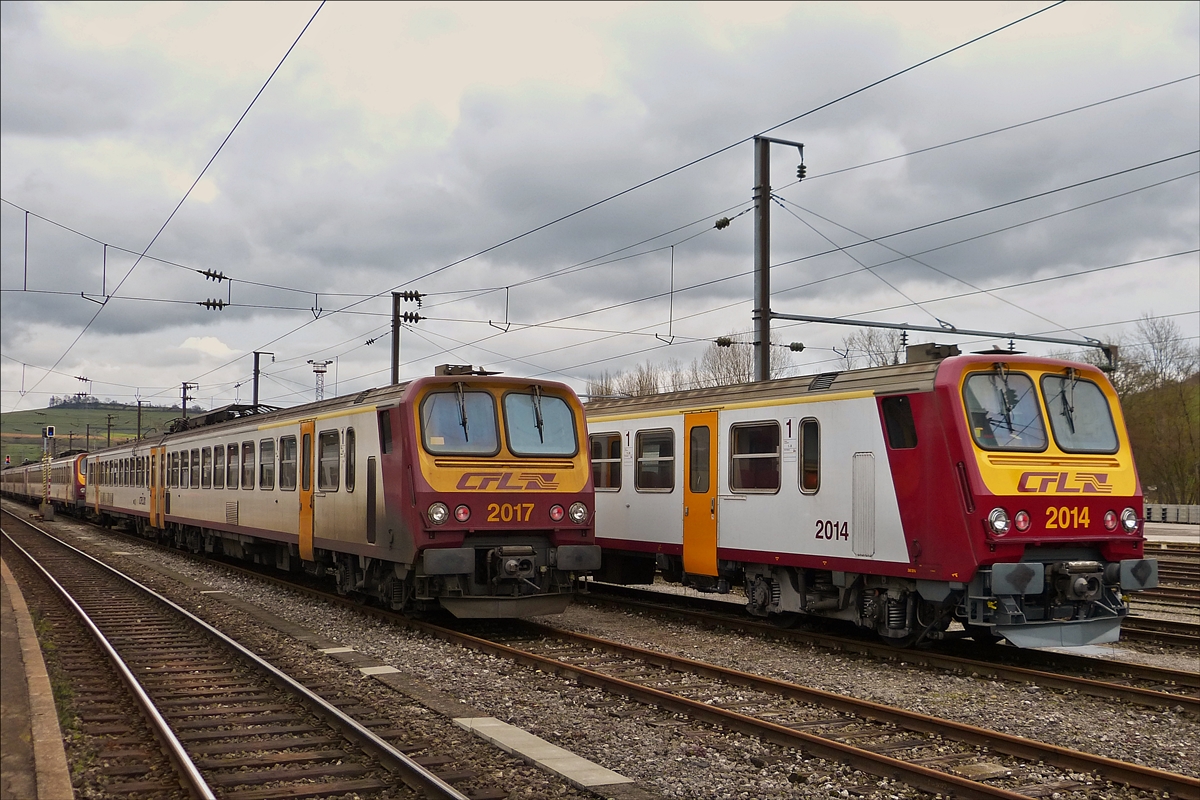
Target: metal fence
1189,515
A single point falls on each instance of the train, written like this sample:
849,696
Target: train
464,491
995,490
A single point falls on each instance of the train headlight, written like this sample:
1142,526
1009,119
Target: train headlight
1129,520
462,513
1021,520
1110,520
578,513
556,512
998,521
438,513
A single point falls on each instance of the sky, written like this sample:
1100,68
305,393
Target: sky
549,177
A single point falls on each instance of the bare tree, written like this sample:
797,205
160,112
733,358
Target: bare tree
734,363
872,347
603,386
643,380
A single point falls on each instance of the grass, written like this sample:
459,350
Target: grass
21,431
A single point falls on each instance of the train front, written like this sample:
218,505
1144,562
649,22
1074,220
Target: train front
1058,505
502,494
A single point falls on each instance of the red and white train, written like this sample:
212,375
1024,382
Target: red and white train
996,490
467,491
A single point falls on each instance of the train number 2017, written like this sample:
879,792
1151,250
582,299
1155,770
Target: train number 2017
510,512
1064,517
832,529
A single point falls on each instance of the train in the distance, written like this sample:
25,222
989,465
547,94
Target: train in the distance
464,490
997,490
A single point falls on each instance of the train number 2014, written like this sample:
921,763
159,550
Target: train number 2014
510,512
832,529
1064,517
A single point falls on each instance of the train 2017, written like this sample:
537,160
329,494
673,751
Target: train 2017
467,491
997,490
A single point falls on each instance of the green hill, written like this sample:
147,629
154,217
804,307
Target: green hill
21,431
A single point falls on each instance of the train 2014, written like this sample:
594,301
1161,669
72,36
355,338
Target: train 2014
997,490
466,491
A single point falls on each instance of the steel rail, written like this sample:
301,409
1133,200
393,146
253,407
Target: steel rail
1095,688
412,773
190,776
1021,747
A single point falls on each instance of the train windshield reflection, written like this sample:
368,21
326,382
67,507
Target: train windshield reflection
460,423
1079,415
1002,408
539,425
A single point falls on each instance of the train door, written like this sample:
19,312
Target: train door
157,487
700,493
306,489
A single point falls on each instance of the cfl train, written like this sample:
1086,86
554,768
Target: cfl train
464,490
996,490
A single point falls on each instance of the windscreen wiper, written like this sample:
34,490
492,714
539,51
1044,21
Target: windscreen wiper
537,413
462,412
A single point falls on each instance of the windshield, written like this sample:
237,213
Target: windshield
539,425
459,422
1079,415
1002,408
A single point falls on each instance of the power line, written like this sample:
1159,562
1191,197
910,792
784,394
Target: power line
186,194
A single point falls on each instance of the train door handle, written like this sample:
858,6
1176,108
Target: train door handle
685,511
712,506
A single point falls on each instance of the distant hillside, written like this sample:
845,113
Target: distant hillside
21,431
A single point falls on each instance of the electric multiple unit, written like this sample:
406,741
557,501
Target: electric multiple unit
467,491
996,490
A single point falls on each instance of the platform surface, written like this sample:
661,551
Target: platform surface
33,763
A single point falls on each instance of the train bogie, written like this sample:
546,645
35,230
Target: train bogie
999,494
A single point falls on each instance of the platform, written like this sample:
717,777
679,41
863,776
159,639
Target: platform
1169,533
33,763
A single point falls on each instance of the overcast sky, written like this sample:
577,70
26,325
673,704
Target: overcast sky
397,140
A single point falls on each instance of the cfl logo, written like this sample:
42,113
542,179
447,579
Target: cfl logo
1065,483
508,481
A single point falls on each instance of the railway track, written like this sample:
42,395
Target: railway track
1161,631
929,753
230,724
891,737
1133,683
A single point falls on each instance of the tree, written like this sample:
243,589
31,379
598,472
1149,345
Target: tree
877,347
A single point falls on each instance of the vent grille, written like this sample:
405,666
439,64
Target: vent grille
231,513
823,381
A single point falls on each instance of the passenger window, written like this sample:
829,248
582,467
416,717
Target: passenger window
655,461
195,484
327,461
350,445
247,465
266,464
606,461
219,467
287,463
810,456
898,419
185,470
232,467
306,462
699,478
754,457
206,468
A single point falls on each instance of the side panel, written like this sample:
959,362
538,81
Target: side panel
862,520
700,493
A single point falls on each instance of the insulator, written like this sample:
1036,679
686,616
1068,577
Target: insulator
411,295
724,341
213,275
801,172
213,305
411,316
796,347
722,223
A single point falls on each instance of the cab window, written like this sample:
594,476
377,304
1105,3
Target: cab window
1079,415
459,423
539,425
1003,411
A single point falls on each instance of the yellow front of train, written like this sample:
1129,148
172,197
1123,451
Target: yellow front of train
1060,541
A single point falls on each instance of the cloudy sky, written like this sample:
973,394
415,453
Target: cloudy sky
429,147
